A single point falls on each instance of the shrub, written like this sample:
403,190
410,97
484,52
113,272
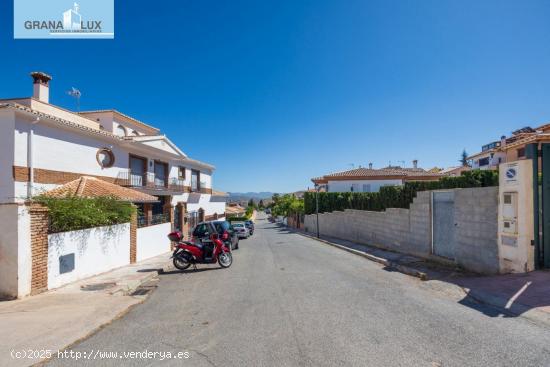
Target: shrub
72,213
395,196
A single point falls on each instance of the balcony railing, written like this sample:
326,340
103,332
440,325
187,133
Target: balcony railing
155,219
150,181
176,184
131,179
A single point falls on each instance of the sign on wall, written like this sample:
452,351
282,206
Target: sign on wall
511,174
53,19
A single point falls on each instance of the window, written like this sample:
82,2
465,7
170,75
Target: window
521,152
483,162
120,130
181,173
160,174
195,180
105,157
366,187
201,230
137,171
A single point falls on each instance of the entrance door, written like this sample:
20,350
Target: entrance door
443,224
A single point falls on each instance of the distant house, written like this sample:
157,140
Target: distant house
508,149
234,210
372,179
454,171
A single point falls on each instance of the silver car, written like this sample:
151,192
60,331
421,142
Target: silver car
240,229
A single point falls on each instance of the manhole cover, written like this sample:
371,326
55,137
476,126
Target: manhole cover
97,286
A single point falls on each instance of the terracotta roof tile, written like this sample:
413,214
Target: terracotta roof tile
87,186
362,172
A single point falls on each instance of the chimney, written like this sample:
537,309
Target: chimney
503,140
415,163
370,165
41,86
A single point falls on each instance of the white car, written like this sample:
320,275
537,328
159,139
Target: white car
240,229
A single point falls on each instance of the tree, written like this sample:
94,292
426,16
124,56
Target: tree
464,159
251,202
261,204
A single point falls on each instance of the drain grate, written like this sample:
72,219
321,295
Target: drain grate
97,286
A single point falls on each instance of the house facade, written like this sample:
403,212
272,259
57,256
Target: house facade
48,149
44,146
371,179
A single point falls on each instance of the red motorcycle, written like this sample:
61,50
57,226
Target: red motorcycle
202,252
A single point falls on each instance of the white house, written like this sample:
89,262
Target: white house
371,179
43,146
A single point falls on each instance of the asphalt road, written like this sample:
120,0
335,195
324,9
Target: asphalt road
292,301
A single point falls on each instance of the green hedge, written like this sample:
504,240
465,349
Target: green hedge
237,219
73,213
395,196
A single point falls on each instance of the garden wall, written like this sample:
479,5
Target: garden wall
409,231
79,254
153,240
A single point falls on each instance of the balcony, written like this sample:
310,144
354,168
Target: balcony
201,189
149,182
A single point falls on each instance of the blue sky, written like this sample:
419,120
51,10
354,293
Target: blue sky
276,92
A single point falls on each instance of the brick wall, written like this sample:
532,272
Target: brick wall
133,238
409,230
39,248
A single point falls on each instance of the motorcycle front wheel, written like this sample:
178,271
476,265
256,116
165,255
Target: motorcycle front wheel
181,262
225,259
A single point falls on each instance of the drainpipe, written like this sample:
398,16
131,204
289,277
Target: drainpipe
30,159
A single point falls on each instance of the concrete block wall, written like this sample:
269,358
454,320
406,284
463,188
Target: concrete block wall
476,231
409,230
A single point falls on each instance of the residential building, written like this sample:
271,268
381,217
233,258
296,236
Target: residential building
371,179
452,171
508,149
43,146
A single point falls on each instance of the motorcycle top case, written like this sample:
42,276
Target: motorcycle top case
175,236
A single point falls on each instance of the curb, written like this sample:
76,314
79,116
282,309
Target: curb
515,310
390,264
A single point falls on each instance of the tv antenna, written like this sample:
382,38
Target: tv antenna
76,94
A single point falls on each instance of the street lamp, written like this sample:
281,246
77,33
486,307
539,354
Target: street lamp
317,188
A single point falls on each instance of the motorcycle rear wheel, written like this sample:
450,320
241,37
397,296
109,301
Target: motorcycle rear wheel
181,262
225,259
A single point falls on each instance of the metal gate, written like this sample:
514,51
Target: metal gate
443,224
192,220
177,218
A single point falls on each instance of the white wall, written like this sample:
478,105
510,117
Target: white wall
96,250
210,207
15,251
24,253
7,124
152,241
8,251
515,251
345,186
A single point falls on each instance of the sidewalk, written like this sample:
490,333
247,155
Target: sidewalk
55,319
512,295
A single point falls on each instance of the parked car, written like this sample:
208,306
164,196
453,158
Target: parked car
224,229
250,225
241,229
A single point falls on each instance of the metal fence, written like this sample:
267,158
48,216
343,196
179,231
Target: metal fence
155,219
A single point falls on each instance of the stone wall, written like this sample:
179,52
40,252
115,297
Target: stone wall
409,230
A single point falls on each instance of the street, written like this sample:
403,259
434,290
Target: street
291,301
